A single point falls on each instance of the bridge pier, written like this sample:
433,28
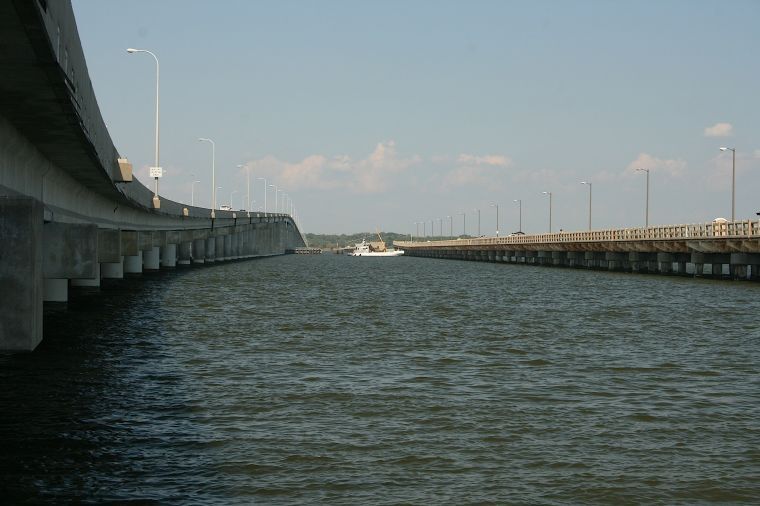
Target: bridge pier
169,256
152,259
665,261
112,270
56,290
199,251
88,282
615,261
21,271
185,253
133,264
227,247
210,250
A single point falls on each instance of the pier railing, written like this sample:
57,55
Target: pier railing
712,230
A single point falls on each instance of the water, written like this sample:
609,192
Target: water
329,379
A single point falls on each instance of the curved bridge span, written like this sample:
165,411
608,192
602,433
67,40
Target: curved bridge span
70,211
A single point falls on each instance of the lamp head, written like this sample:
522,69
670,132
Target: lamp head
585,182
131,50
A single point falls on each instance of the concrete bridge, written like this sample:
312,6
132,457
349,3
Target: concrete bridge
70,212
719,249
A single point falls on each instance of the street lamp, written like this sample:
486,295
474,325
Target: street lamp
478,210
213,172
451,226
464,224
550,209
733,180
589,203
248,183
519,207
192,193
646,209
265,192
231,194
497,218
156,169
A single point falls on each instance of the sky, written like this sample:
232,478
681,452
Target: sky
384,114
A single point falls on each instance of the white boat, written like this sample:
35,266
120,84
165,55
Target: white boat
366,249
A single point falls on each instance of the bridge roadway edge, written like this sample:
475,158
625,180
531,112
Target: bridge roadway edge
70,213
725,250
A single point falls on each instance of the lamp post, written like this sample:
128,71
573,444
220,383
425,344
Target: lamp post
157,173
213,173
217,188
265,192
274,188
519,207
451,226
432,229
478,210
248,184
646,209
550,209
589,202
733,180
192,193
464,223
497,218
417,226
232,208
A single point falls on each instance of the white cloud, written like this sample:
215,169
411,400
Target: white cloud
672,167
492,160
476,170
719,130
372,174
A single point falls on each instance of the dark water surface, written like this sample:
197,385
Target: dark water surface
329,379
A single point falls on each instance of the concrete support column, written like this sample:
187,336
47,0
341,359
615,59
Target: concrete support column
152,259
133,264
738,263
210,250
56,290
112,270
21,272
665,263
717,270
219,252
199,251
227,247
169,256
185,253
558,258
754,272
237,246
634,259
614,260
698,259
88,282
590,259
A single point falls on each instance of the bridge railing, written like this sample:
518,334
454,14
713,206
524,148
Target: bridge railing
710,230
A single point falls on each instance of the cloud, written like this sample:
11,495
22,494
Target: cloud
372,174
492,160
476,170
672,167
719,130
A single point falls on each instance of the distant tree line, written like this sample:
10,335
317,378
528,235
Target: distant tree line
330,241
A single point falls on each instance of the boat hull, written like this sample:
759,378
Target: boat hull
377,254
